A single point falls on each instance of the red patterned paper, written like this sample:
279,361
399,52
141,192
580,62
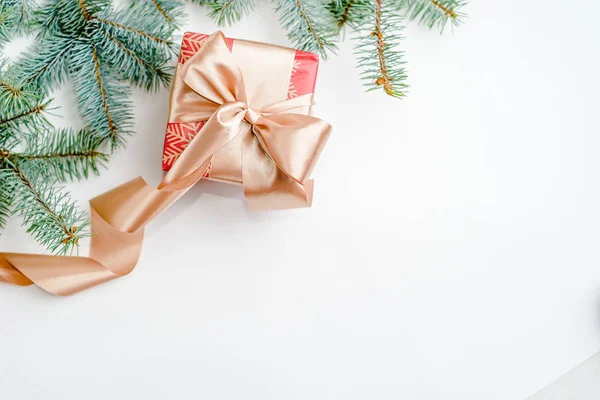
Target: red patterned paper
178,136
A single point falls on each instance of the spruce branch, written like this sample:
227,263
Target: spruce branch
132,23
50,215
28,116
170,10
102,101
377,49
162,11
434,12
16,17
348,12
21,108
46,65
228,12
308,26
6,199
123,28
97,48
29,175
202,2
62,154
143,70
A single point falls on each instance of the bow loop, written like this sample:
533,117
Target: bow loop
213,72
293,141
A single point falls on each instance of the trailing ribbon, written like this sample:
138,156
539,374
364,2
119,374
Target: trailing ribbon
278,146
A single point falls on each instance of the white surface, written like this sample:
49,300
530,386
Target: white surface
451,252
581,383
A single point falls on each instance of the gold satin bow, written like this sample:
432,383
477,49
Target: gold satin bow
279,146
279,149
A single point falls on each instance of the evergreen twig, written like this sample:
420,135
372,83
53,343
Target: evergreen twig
348,12
228,12
62,154
48,211
434,12
16,17
308,26
377,49
170,10
97,47
34,158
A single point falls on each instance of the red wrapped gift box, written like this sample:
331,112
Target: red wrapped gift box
178,136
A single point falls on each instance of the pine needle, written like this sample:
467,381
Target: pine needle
308,25
62,154
434,12
47,210
378,48
16,17
348,12
228,12
98,48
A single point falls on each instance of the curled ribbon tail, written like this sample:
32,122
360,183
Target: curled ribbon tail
10,274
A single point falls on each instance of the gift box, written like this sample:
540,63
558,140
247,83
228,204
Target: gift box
178,135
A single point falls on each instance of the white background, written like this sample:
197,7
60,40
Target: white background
451,252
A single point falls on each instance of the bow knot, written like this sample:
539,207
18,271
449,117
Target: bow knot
252,115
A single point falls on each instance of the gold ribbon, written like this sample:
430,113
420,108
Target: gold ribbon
279,149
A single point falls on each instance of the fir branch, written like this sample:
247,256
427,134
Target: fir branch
6,198
308,25
97,47
147,72
9,87
110,123
61,154
140,32
48,211
379,59
23,115
202,2
162,11
46,63
68,17
101,100
343,11
172,11
348,12
16,18
434,12
228,12
21,109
